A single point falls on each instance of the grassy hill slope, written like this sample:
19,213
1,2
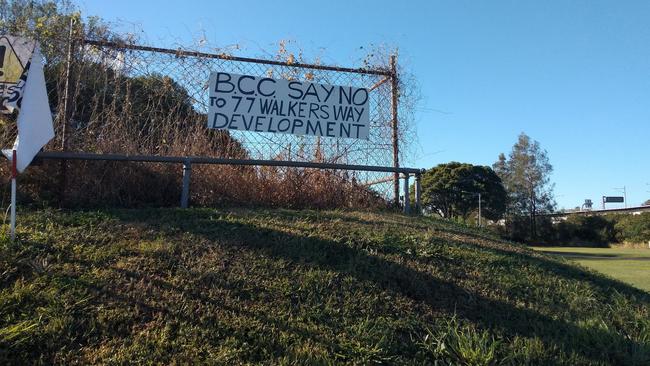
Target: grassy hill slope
283,287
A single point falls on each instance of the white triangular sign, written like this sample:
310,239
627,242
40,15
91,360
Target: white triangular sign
34,118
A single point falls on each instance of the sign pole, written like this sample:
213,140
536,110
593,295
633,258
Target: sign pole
13,195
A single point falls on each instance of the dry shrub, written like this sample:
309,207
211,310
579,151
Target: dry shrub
133,184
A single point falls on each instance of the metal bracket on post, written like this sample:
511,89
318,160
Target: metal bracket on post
185,192
407,199
418,193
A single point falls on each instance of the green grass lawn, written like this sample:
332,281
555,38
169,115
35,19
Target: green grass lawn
284,287
626,264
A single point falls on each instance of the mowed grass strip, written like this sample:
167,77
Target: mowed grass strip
630,265
171,286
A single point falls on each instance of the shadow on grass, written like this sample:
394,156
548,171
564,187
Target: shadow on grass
401,279
150,307
402,222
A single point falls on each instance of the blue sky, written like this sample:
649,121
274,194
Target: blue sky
574,75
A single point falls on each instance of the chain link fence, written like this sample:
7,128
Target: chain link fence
129,99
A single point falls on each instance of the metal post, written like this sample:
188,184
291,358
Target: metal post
395,97
418,197
407,199
479,210
12,219
66,113
67,92
185,192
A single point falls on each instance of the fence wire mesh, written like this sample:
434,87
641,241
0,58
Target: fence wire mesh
131,99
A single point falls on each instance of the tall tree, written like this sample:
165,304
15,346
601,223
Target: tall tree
452,189
526,176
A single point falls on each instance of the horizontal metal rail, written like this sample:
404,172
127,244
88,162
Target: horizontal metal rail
187,162
184,53
220,161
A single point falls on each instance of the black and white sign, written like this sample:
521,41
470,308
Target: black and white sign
23,88
261,104
15,53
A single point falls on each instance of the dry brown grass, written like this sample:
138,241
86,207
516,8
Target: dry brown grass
99,183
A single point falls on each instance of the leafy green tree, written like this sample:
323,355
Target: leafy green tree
45,21
526,176
451,190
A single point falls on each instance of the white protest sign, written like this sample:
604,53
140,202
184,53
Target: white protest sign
34,120
261,104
